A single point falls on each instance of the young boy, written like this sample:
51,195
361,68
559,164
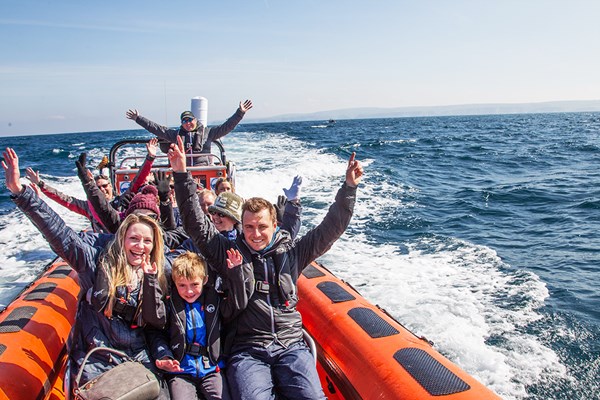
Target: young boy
192,354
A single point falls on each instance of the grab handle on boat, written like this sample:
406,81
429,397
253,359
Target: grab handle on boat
311,344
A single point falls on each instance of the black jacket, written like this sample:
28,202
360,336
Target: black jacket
268,311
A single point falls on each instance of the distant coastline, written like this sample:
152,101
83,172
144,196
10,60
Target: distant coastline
432,111
102,123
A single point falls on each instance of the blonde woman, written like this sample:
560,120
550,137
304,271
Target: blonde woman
121,282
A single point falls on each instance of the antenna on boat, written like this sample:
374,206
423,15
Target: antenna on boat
165,85
200,109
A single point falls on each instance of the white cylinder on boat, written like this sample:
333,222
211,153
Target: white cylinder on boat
200,109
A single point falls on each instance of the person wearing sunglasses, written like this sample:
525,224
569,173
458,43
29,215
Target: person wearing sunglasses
79,206
197,138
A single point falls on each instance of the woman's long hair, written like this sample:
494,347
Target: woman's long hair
114,260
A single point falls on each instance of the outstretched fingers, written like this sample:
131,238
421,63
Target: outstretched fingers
10,164
234,258
176,155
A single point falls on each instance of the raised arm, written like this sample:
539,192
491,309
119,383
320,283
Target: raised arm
206,237
99,204
62,239
217,132
78,206
159,130
319,239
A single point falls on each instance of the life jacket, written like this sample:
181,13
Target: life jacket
126,303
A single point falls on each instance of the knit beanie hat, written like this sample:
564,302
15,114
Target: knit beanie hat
229,204
147,199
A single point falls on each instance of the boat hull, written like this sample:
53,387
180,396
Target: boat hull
33,333
363,353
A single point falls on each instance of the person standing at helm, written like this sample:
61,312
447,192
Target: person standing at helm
197,138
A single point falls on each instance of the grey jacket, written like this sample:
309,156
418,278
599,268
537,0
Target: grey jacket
199,140
269,306
91,327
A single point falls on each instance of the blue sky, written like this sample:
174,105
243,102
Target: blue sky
75,66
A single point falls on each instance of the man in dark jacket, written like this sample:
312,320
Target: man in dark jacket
268,355
197,138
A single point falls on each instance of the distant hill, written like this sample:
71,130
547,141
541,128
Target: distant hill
463,109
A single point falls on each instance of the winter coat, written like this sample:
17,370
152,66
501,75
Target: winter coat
199,140
92,328
269,307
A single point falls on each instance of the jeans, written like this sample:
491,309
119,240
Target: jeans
210,387
260,373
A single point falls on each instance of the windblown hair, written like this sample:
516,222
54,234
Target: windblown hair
189,266
101,176
114,260
257,204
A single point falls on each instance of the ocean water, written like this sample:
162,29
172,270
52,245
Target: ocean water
480,233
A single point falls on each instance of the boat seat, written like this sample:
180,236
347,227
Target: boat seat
310,342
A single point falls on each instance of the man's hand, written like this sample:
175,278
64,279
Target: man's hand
245,106
132,114
354,172
176,156
11,171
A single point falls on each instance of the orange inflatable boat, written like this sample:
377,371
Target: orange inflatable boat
33,332
363,353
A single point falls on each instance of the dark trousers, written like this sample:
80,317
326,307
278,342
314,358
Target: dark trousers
258,373
186,387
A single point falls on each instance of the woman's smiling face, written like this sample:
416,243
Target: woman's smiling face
139,242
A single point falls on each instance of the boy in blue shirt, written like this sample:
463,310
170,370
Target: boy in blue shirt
191,356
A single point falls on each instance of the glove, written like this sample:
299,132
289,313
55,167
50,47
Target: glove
82,172
163,184
280,207
125,199
293,193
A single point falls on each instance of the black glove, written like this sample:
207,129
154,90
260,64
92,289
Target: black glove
163,184
82,171
125,199
280,207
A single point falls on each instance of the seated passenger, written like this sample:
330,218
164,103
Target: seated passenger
81,207
206,197
121,285
224,185
268,354
191,353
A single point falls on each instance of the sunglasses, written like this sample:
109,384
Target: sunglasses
220,214
149,215
104,186
186,120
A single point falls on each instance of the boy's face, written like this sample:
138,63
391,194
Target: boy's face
189,289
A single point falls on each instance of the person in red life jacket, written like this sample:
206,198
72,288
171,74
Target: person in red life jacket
197,138
81,207
267,355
